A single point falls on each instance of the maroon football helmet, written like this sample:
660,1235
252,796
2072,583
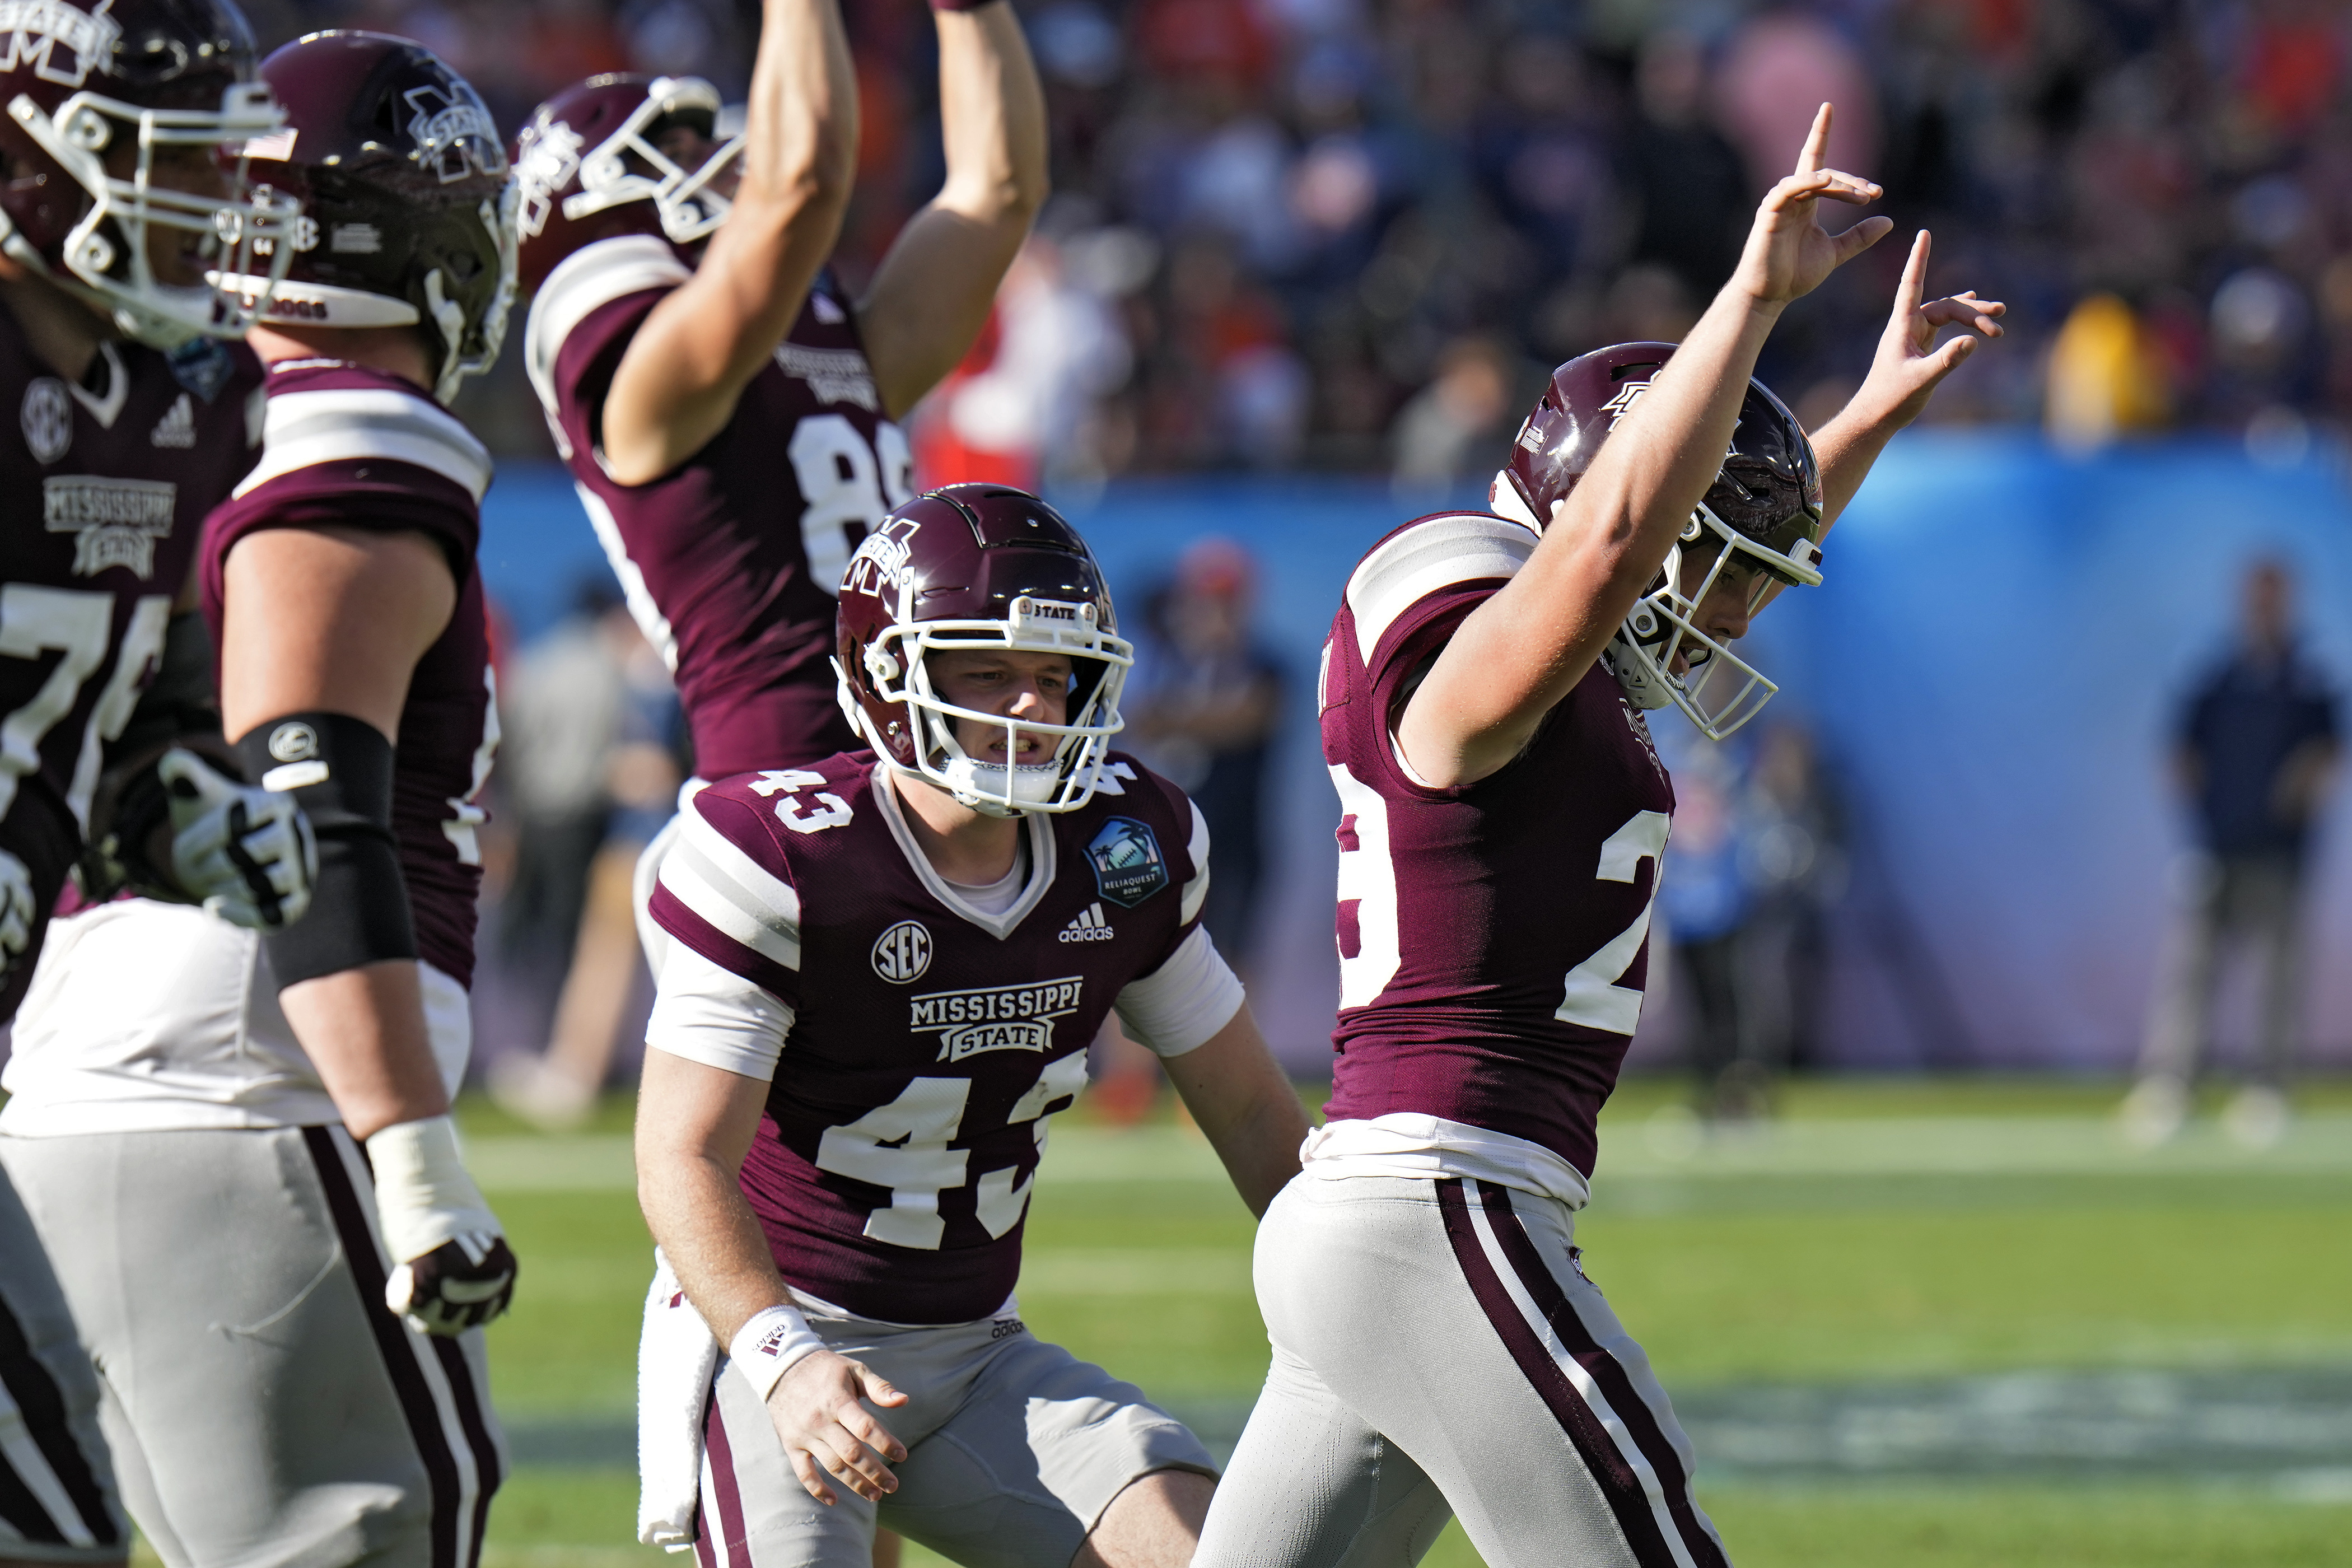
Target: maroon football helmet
588,167
1762,512
114,105
978,566
408,208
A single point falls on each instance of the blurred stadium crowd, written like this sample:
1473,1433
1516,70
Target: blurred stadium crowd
1345,233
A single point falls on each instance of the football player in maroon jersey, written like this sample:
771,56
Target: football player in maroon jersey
212,1091
121,192
726,410
838,1173
1436,1345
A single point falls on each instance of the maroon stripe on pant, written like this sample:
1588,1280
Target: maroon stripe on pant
724,1493
344,1202
42,1404
1620,1487
487,1472
1615,1384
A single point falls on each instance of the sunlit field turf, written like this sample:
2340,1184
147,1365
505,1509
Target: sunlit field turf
1928,1239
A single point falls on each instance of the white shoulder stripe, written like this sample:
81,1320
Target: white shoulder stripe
301,430
726,886
585,282
697,885
1437,554
1196,891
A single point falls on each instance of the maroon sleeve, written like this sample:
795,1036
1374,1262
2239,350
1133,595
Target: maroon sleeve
726,891
588,359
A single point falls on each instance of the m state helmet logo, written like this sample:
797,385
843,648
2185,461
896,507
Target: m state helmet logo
903,953
454,136
36,27
547,154
1127,865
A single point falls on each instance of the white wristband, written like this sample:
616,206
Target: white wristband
423,1194
770,1345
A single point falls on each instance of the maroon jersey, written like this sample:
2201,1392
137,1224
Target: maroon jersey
353,448
729,561
892,1169
1493,938
110,490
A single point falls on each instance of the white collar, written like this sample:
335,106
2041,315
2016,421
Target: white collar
1040,863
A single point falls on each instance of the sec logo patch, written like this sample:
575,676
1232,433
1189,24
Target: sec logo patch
902,952
1127,865
47,419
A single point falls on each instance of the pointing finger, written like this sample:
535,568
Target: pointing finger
1914,286
1817,143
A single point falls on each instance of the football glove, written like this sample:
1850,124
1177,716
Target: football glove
15,911
452,1268
246,853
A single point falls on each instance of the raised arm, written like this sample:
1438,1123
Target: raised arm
677,385
1522,650
931,296
1904,375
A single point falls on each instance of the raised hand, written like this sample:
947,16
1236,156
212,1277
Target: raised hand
1789,253
1909,365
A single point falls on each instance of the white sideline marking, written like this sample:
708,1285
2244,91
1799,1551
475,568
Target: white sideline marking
1914,1146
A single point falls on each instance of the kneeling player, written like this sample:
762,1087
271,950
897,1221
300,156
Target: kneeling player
265,1399
889,967
1436,1344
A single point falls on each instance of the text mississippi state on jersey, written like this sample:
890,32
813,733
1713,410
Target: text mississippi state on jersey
347,447
1493,938
107,492
928,1042
731,561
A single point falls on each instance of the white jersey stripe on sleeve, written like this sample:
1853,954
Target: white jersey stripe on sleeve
1460,548
694,883
304,428
768,896
582,283
1196,891
729,890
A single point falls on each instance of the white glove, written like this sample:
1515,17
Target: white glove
16,909
452,1266
247,853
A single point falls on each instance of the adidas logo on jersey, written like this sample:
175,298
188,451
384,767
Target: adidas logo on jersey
177,427
1089,926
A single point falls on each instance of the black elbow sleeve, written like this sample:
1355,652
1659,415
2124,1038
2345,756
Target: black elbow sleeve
339,770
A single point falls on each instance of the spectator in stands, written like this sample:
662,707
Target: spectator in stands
1453,427
559,710
1201,710
2255,754
642,773
1704,904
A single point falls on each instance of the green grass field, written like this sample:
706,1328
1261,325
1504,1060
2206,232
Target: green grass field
1881,1235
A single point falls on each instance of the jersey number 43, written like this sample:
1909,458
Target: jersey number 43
904,1147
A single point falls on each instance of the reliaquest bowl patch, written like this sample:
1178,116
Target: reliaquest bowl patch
1128,867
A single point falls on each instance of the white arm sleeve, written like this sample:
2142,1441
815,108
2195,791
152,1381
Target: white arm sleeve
1187,999
707,1015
